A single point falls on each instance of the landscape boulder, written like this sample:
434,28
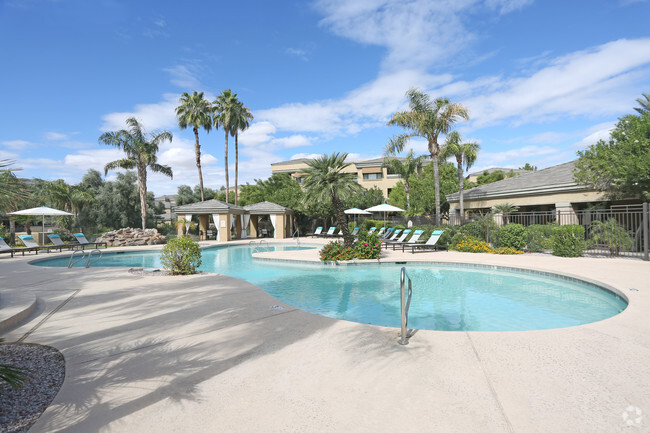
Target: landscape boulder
129,237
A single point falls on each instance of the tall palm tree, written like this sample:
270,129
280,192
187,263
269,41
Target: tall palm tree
325,179
224,110
140,154
405,170
14,191
195,111
241,122
465,154
426,118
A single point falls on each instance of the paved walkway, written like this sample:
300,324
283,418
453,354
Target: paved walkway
207,353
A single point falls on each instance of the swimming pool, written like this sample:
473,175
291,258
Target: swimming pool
450,297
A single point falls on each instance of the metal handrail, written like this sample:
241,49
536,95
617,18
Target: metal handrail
88,262
296,234
405,304
253,245
264,244
71,263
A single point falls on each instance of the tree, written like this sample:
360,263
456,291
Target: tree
428,119
13,191
365,198
528,167
505,209
620,166
325,178
195,111
240,122
224,110
494,176
140,153
644,103
405,170
465,154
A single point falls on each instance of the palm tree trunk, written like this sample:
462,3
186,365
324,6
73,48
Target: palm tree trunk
225,159
460,188
142,187
197,150
236,163
436,179
340,217
407,190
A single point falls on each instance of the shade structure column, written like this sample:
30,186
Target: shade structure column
238,226
204,223
180,227
254,225
224,227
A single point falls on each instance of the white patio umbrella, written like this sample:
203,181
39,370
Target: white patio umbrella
356,211
42,211
385,208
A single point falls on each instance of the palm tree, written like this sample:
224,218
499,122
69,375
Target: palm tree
14,191
140,154
428,119
405,170
224,110
644,103
325,179
195,111
465,153
505,209
241,122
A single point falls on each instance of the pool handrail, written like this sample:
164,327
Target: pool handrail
405,304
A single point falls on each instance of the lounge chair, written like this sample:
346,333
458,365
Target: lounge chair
381,231
58,243
4,248
431,243
83,242
355,232
31,244
413,239
401,239
393,235
388,233
372,230
330,232
317,232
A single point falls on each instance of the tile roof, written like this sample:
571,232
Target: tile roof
208,207
266,207
551,180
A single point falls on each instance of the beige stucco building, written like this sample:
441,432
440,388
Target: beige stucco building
370,173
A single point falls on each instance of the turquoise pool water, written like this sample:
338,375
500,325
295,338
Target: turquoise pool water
445,297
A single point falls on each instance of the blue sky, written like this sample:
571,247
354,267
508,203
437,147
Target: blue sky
542,79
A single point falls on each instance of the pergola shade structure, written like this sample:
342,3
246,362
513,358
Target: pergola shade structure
227,217
281,217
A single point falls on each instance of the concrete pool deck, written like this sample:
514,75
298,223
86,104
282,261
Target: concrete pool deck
210,353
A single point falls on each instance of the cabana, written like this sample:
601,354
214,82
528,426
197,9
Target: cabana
226,216
281,217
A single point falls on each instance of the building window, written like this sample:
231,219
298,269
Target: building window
372,176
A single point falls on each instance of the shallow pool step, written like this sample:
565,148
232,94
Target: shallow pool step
15,307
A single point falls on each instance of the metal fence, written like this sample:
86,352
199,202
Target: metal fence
618,231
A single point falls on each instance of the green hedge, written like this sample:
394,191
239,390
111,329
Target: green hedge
512,236
539,237
568,241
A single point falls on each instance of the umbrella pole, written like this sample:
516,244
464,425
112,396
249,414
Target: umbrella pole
43,230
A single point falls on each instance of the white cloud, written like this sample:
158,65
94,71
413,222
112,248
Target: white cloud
95,158
507,6
519,155
183,76
152,116
17,144
586,83
8,155
597,133
305,155
292,141
296,52
55,136
257,133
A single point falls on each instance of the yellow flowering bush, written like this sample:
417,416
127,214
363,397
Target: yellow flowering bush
472,245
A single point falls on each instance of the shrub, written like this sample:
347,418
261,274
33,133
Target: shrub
455,240
611,235
473,245
539,237
569,240
181,256
166,228
331,251
367,247
512,236
506,250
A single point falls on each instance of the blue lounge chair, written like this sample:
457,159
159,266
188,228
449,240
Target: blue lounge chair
4,248
401,239
317,232
430,244
58,243
83,242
